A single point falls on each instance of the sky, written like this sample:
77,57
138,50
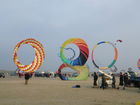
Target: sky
52,22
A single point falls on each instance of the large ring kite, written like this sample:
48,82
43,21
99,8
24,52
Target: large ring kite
78,63
115,56
138,64
84,52
39,55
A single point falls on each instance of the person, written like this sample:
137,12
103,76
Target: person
121,83
95,76
103,81
121,79
125,80
113,81
27,77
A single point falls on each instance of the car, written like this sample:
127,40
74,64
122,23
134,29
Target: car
134,81
74,74
2,75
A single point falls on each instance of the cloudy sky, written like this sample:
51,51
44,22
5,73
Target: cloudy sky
54,21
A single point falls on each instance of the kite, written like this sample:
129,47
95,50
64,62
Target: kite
119,41
138,64
39,55
115,56
84,52
78,64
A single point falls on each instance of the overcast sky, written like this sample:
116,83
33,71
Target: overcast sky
54,21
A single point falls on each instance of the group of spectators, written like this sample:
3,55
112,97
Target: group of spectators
124,80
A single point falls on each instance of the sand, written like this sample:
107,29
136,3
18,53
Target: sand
43,91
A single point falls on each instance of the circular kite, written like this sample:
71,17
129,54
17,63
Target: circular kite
78,63
138,64
84,52
39,55
114,60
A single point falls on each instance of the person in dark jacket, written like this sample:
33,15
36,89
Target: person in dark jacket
122,83
126,79
125,76
113,81
121,79
103,82
95,76
27,77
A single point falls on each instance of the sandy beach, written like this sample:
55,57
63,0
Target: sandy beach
43,91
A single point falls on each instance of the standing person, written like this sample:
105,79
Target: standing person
103,81
121,79
113,81
95,76
27,77
125,80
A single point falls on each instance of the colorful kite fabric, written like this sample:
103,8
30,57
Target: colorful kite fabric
119,41
83,72
78,63
115,56
138,64
84,52
39,55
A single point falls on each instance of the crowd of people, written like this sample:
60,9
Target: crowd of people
123,80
